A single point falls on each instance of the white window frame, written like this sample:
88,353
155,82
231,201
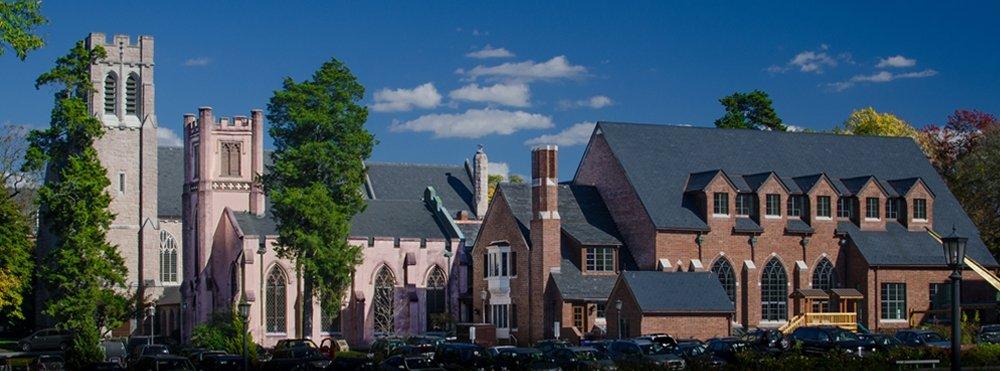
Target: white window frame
720,199
829,208
495,256
923,207
877,209
767,204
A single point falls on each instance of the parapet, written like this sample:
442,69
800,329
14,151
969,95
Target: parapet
122,49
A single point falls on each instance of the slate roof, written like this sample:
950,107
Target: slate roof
170,181
659,158
677,292
747,225
698,181
896,246
582,213
398,181
797,226
573,285
903,186
381,218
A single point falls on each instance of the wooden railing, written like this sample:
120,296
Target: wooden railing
847,321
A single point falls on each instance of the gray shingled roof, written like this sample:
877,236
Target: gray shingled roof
396,181
582,213
381,218
574,285
797,226
746,225
677,292
897,246
659,158
170,181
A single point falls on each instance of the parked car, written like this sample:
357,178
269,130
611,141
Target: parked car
221,362
385,347
516,358
664,340
547,346
462,356
424,344
47,339
296,355
822,339
495,350
148,350
582,358
988,334
880,342
198,356
104,366
114,351
401,362
162,362
726,348
642,352
697,356
767,340
922,338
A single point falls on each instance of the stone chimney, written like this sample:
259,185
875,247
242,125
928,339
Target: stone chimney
482,180
257,162
546,254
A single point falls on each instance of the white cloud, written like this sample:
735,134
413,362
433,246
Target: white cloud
490,52
197,62
796,129
515,95
498,168
474,123
897,61
810,61
880,77
423,96
595,102
556,68
577,134
168,138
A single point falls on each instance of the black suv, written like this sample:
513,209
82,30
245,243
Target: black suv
47,339
461,356
823,339
922,338
988,334
767,340
641,352
726,348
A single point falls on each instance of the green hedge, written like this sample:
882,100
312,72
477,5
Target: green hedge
982,355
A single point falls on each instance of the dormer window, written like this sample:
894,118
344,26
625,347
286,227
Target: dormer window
773,205
500,262
744,204
600,259
892,209
823,207
795,205
844,209
920,209
872,208
721,204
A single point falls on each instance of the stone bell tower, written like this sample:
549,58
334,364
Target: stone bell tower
123,99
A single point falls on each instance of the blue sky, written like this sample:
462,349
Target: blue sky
442,77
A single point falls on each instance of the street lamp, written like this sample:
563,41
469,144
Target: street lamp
245,315
482,295
954,252
447,291
151,312
618,310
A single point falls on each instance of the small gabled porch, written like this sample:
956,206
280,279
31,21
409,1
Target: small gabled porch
834,307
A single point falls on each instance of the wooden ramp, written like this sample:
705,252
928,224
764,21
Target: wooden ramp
974,265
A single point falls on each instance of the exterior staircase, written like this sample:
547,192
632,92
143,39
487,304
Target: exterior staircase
847,321
991,278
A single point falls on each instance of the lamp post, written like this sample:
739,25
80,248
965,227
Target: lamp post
482,295
151,312
245,316
618,310
447,290
954,252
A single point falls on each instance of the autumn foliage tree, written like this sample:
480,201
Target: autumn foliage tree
961,135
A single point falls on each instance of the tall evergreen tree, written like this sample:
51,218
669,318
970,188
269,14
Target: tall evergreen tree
84,275
316,180
749,111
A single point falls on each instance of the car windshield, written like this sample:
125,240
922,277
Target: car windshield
652,348
991,328
154,350
692,349
931,336
843,336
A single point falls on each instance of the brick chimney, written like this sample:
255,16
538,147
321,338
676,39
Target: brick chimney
545,232
481,174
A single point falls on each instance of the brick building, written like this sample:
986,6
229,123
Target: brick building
646,310
781,219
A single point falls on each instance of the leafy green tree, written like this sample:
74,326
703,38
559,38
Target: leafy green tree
16,263
317,176
751,110
18,20
224,331
495,179
975,184
84,275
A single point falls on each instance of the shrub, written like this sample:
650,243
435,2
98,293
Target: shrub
224,332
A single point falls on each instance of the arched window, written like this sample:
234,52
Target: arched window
384,301
823,277
436,300
774,292
110,92
168,258
275,301
131,94
329,319
727,277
